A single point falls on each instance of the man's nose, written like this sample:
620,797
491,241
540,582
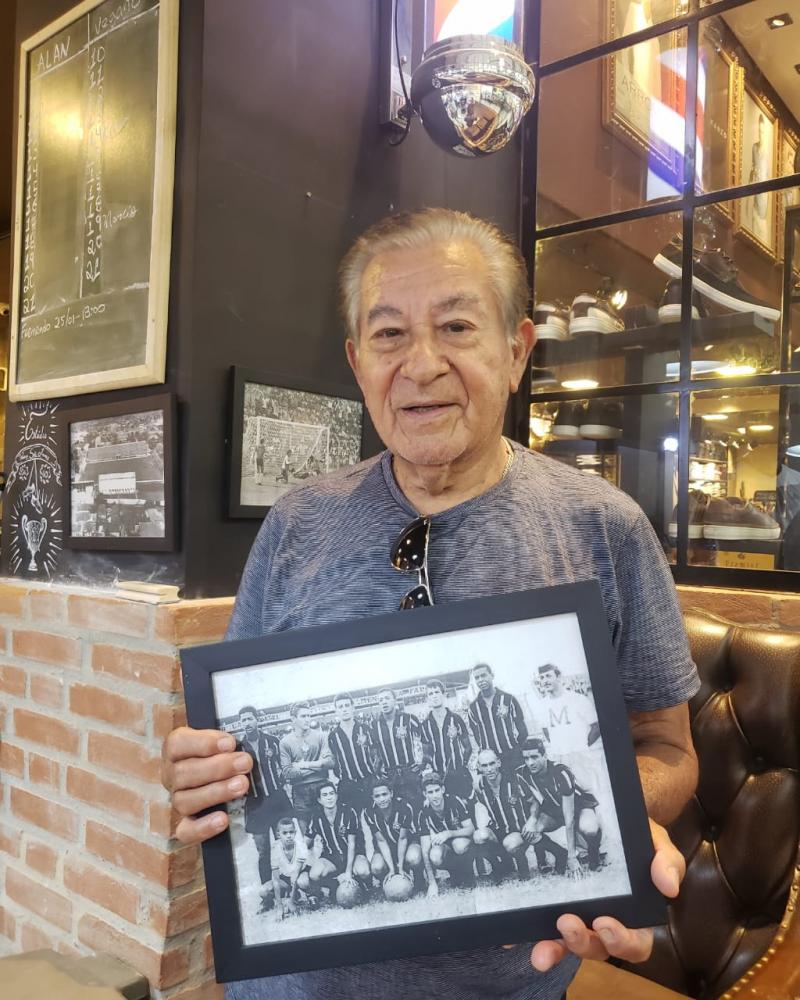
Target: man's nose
425,359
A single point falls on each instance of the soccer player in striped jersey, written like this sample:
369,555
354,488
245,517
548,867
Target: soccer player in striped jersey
496,720
396,733
447,739
446,831
391,822
500,813
353,749
332,835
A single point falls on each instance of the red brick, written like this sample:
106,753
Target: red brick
44,771
151,669
166,869
179,914
205,991
46,730
105,890
208,951
34,938
124,756
47,690
37,898
106,795
12,599
8,925
166,718
58,650
96,703
162,970
163,819
188,623
109,614
12,681
47,607
12,760
41,858
10,841
47,815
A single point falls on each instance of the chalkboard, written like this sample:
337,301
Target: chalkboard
95,167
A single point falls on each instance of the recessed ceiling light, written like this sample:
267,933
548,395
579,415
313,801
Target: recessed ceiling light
714,416
779,21
580,383
761,427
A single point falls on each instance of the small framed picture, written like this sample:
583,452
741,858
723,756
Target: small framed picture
284,431
446,779
757,216
720,96
787,165
121,488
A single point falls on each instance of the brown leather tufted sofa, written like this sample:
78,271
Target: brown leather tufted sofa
734,931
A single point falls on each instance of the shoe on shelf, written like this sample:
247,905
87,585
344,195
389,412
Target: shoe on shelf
602,420
669,309
551,321
542,377
698,501
734,519
567,421
592,314
715,276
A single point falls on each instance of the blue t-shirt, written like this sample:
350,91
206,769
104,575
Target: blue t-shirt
322,556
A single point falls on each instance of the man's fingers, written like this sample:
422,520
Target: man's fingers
186,742
669,866
195,831
546,954
630,944
195,800
195,772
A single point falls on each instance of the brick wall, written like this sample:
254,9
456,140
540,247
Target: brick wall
89,687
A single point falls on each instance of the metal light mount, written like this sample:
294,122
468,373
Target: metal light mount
472,92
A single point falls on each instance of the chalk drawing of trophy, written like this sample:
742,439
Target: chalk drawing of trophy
34,532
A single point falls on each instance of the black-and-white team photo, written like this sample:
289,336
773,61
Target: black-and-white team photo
117,476
290,436
424,779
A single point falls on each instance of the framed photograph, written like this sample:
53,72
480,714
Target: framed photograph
757,216
94,187
639,90
121,491
283,432
787,165
451,778
719,86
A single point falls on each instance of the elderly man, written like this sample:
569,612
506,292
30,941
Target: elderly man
435,306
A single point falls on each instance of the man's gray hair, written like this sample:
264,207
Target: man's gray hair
407,230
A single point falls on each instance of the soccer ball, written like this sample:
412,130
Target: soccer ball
347,894
397,888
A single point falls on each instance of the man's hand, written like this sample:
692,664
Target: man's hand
607,936
437,839
201,768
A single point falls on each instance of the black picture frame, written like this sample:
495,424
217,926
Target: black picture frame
578,604
240,378
166,404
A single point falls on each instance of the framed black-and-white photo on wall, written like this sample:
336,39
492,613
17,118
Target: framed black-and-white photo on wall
284,431
455,777
121,489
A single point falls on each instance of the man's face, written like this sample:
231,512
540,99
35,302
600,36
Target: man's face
483,679
432,357
550,681
434,795
303,719
435,697
534,761
386,702
344,709
327,798
286,833
250,723
382,797
488,764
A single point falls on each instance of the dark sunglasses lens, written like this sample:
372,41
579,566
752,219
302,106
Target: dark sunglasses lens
419,597
408,553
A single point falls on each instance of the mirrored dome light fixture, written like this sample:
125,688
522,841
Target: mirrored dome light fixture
471,93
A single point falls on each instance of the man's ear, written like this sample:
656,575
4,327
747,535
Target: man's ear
521,347
351,350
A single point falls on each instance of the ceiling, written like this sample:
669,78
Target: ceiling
7,47
775,52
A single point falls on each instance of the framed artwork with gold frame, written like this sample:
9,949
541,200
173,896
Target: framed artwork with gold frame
718,118
756,217
789,143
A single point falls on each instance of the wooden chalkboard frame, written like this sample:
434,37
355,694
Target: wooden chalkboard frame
153,370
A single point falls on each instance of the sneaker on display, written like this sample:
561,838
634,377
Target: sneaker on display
591,314
669,309
734,519
567,421
551,321
715,276
602,420
698,502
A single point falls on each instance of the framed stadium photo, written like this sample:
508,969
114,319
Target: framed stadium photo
451,778
120,492
283,431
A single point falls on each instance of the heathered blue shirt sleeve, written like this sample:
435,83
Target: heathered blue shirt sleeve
655,664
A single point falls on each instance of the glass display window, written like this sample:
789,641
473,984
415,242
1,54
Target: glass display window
630,441
604,312
612,132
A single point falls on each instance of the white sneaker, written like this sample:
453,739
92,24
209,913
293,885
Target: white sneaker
551,321
591,314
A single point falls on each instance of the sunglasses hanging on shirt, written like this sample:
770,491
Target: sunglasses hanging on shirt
410,555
